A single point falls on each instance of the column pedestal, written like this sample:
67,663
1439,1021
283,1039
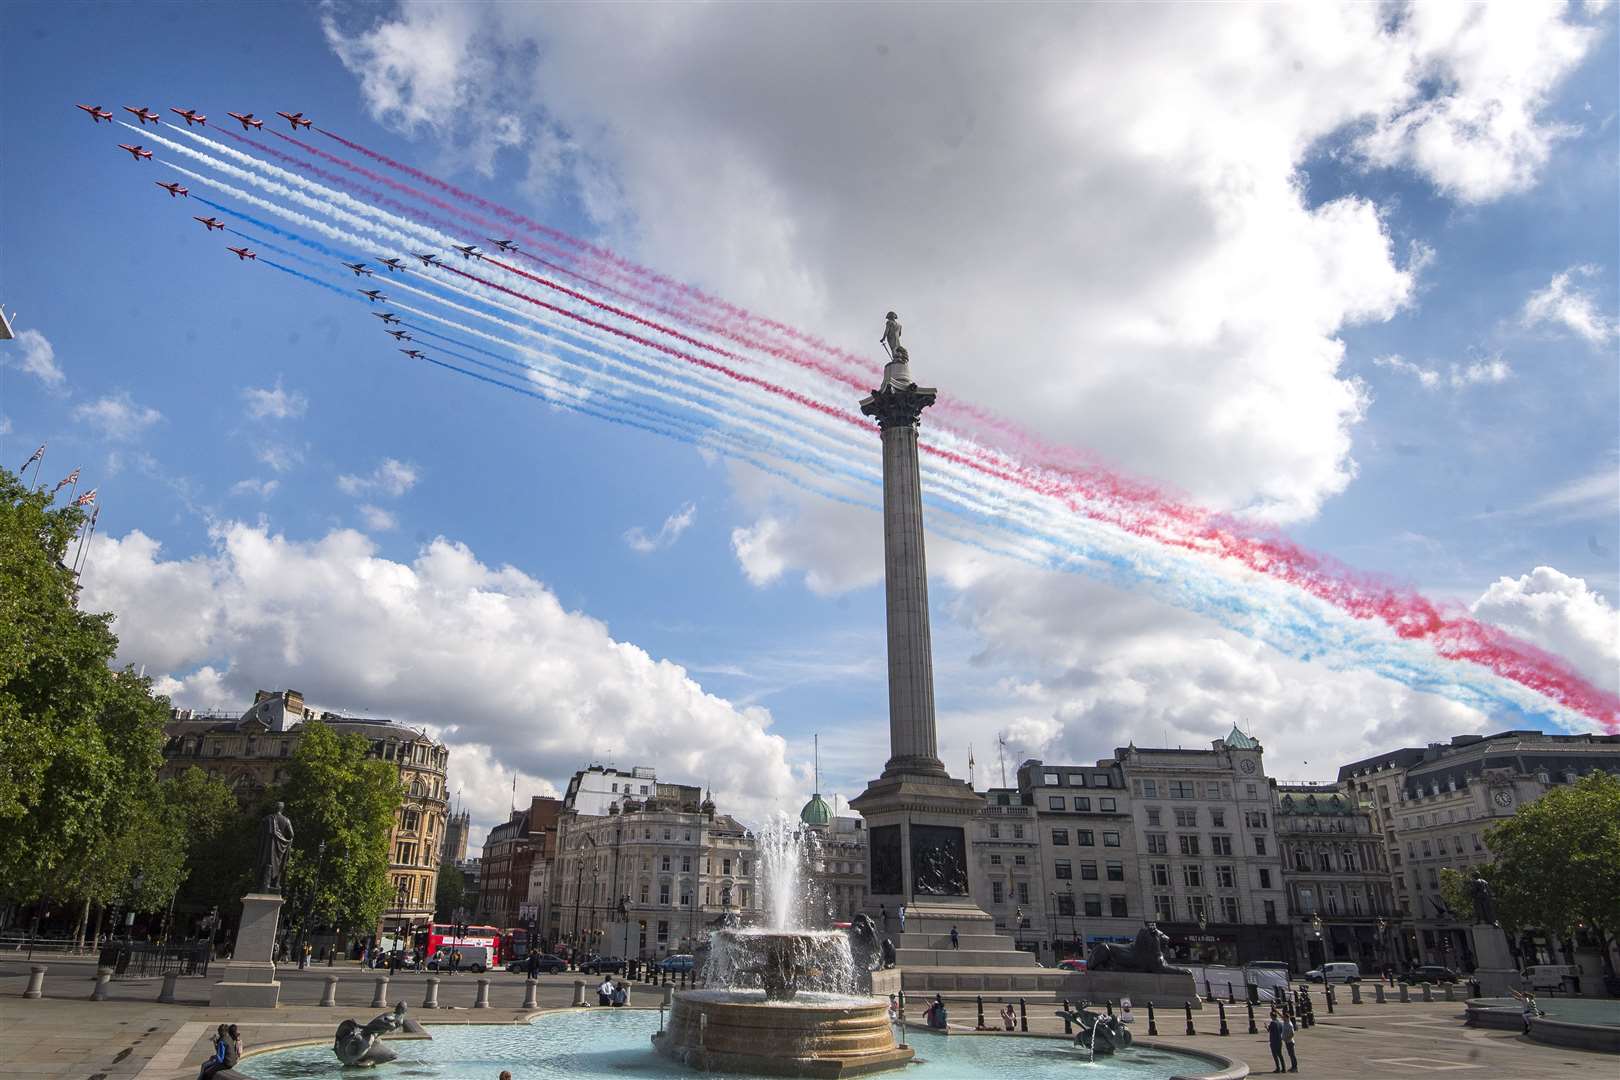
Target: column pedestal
250,977
1496,973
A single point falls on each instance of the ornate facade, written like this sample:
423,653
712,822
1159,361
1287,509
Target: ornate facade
1340,904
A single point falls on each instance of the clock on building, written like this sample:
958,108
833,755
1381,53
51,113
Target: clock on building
1504,798
1247,765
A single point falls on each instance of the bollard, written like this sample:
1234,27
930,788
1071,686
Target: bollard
482,1000
669,996
1153,1023
1224,1029
1023,1017
980,1000
1277,994
531,988
329,997
379,998
579,993
1068,1024
166,994
1329,994
430,1000
1230,998
1190,1029
1109,1005
1449,995
36,981
1378,994
1406,993
1428,992
1252,1029
103,975
1209,995
1355,993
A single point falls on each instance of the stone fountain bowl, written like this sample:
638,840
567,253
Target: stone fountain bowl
780,962
815,1034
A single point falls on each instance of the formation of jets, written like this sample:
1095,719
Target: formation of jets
243,253
210,223
137,152
246,120
296,119
386,316
97,113
360,269
143,114
192,116
172,188
373,295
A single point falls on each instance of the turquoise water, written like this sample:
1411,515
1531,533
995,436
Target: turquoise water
598,1044
1575,1010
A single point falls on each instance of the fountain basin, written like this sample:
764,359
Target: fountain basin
812,1035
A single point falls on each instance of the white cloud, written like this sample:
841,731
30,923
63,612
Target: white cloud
1595,495
117,416
274,402
1565,304
669,532
486,655
1562,615
252,486
391,478
377,519
280,457
1490,371
5,424
37,357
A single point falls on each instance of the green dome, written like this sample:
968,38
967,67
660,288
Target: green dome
816,811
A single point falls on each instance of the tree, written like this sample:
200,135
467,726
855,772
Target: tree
1558,861
337,795
450,892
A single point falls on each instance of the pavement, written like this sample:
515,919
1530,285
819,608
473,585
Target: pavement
65,1035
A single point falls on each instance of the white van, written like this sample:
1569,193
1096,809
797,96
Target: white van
1546,977
1335,973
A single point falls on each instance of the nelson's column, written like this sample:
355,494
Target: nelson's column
916,814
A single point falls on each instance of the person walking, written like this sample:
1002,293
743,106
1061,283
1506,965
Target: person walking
533,966
393,962
1288,1044
901,914
1274,1030
883,917
956,942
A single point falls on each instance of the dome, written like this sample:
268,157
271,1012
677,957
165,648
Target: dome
816,811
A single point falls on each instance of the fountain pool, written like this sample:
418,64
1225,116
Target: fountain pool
599,1044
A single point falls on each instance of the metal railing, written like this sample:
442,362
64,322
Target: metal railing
139,959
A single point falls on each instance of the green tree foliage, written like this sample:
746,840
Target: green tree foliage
1558,860
337,794
450,892
79,742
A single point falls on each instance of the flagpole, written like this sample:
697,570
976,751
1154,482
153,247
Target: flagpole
84,548
38,465
74,490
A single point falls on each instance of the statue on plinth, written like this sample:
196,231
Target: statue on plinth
1479,891
275,841
897,373
357,1045
1144,955
865,946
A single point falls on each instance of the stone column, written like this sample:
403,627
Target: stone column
912,745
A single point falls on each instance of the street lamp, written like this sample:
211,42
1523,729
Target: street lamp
624,913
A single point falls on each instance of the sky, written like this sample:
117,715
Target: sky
1342,274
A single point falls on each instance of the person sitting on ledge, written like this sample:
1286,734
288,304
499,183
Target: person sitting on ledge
604,993
936,1016
1009,1019
621,995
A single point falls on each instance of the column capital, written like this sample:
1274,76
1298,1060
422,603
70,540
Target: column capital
898,407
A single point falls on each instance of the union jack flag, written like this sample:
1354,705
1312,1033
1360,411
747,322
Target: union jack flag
86,499
34,457
70,478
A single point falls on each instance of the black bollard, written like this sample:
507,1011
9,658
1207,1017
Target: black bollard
1023,1017
1252,1029
1277,994
1224,1029
1209,995
1330,1000
1153,1023
1068,1024
981,1011
1230,998
1190,1029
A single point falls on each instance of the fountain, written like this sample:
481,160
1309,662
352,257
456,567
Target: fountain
782,1000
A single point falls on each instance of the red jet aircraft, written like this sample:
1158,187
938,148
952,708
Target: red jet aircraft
469,252
246,120
243,253
97,113
173,189
386,316
137,152
399,335
393,264
296,119
504,245
360,269
414,354
192,116
373,295
210,223
143,114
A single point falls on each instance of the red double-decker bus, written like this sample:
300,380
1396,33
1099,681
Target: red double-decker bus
447,935
514,943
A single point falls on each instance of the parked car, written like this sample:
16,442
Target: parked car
474,958
547,963
1073,963
1429,973
1547,977
678,963
602,965
1334,973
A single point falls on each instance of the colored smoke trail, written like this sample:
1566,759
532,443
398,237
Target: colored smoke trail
1136,510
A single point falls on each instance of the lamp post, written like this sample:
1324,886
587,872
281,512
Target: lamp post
624,913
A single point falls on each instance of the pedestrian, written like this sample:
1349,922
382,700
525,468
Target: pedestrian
621,995
1009,1019
604,993
393,962
365,955
216,1060
534,965
894,1009
1527,1008
936,1015
1274,1030
1288,1044
956,942
902,916
883,916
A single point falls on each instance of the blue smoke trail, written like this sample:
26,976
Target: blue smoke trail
268,246
312,280
273,230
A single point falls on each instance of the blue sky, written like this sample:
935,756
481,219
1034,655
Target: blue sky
767,597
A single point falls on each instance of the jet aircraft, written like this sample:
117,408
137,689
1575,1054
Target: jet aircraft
469,252
399,335
427,260
386,316
504,245
192,116
296,119
172,188
373,294
393,264
97,113
143,114
137,152
414,354
246,120
243,253
360,269
209,223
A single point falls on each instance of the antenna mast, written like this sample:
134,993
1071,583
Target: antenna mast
817,760
1001,752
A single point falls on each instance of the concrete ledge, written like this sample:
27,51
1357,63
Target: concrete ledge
1554,1032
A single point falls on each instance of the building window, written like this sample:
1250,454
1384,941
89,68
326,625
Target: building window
1054,802
996,893
1153,816
1182,789
1063,869
1018,860
643,892
1082,803
1161,875
1161,908
1265,878
1094,905
995,831
1259,845
1101,780
1324,860
995,860
1088,871
1065,903
663,893
1220,845
725,867
1426,851
1018,832
1107,806
1110,839
1195,908
1023,892
1217,818
1224,877
1077,779
1189,844
1116,871
1229,909
1253,791
1158,843
1060,837
1330,899
686,894
1050,779
1150,789
1085,838
1117,908
686,864
1254,819
742,867
1186,818
663,863
1192,877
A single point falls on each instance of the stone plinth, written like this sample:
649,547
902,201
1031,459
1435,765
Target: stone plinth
1495,972
250,977
852,1038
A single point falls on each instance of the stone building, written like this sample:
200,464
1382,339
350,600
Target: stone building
1208,863
593,790
839,872
512,851
1006,863
1340,904
455,837
249,753
1433,807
